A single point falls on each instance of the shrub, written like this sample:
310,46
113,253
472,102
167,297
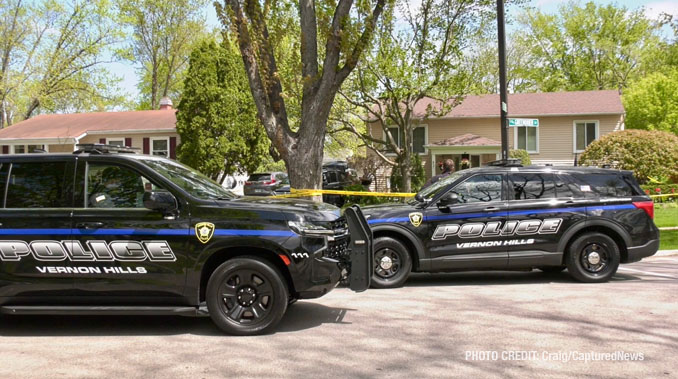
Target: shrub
417,177
523,155
646,153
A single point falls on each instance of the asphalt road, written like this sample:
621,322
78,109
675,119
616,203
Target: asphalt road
429,328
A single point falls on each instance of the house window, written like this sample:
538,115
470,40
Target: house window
418,138
160,146
526,138
23,149
585,132
115,142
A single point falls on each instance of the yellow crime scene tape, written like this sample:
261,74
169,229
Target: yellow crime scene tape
316,192
666,195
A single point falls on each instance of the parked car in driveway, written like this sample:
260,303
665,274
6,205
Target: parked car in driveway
267,184
337,176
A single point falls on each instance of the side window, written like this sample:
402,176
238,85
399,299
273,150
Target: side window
531,186
37,185
479,188
4,167
567,187
604,185
111,186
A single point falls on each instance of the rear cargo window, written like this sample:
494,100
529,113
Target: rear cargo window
567,187
3,181
260,177
605,185
532,186
37,185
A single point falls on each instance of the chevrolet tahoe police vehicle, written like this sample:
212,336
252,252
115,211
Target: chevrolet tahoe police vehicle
508,217
107,231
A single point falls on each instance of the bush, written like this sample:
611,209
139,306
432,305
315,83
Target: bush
366,200
646,153
418,176
523,155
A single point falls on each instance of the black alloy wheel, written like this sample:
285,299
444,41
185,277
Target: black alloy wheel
392,263
246,296
593,258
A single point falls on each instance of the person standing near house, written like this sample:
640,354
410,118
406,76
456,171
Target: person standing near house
448,168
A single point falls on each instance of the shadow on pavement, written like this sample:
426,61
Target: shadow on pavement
498,278
299,316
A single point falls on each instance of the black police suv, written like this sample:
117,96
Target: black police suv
499,217
106,231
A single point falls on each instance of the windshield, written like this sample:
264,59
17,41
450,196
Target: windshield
434,189
190,180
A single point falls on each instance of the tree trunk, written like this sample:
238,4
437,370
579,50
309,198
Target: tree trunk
406,173
304,160
35,103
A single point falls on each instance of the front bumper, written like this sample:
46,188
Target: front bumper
637,253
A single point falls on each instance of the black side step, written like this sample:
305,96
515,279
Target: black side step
102,310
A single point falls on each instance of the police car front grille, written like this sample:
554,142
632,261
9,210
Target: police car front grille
337,249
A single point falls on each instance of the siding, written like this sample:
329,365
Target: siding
137,139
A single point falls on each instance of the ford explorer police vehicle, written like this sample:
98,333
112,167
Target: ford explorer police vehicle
509,217
106,231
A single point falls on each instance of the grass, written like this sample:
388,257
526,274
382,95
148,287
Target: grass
665,215
668,240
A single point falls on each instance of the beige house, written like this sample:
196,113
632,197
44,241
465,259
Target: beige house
152,132
553,127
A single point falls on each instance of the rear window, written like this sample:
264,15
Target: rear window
37,185
260,177
4,167
526,186
605,185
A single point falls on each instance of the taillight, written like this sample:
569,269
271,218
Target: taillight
272,181
647,206
248,183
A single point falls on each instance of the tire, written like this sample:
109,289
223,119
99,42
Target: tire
551,269
246,296
586,267
392,263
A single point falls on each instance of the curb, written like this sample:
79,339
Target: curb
666,253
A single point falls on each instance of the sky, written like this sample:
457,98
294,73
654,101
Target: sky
653,8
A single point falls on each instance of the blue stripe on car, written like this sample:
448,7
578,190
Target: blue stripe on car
143,232
510,213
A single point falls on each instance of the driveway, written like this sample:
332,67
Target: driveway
493,324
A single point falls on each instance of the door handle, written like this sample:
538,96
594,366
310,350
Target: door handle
491,209
89,225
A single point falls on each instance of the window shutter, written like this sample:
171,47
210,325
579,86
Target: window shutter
5,149
173,148
102,141
128,142
147,145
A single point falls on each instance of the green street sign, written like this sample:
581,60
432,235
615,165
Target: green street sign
524,122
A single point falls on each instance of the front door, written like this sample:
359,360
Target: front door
34,219
468,234
131,251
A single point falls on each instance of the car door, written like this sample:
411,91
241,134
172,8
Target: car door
34,218
467,234
537,216
133,251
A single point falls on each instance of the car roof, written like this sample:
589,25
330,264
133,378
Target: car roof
532,168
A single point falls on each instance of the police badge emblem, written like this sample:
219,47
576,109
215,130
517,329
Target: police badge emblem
204,231
416,218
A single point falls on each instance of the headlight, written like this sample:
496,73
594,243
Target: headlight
305,227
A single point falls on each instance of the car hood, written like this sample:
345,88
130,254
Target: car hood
293,209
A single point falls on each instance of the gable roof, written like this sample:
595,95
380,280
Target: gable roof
77,124
533,104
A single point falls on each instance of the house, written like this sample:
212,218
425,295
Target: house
152,132
553,127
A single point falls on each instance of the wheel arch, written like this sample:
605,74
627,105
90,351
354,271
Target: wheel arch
405,236
224,254
610,229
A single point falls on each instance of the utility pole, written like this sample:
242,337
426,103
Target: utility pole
503,98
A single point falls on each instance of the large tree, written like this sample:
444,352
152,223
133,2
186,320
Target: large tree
163,34
651,103
589,47
216,118
415,70
52,55
322,68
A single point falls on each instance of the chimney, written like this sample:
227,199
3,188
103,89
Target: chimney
165,104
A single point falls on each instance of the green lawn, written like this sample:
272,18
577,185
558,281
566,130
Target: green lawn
668,240
665,215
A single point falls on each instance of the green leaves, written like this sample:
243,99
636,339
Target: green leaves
652,103
216,118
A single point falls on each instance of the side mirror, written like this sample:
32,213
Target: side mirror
447,200
161,201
